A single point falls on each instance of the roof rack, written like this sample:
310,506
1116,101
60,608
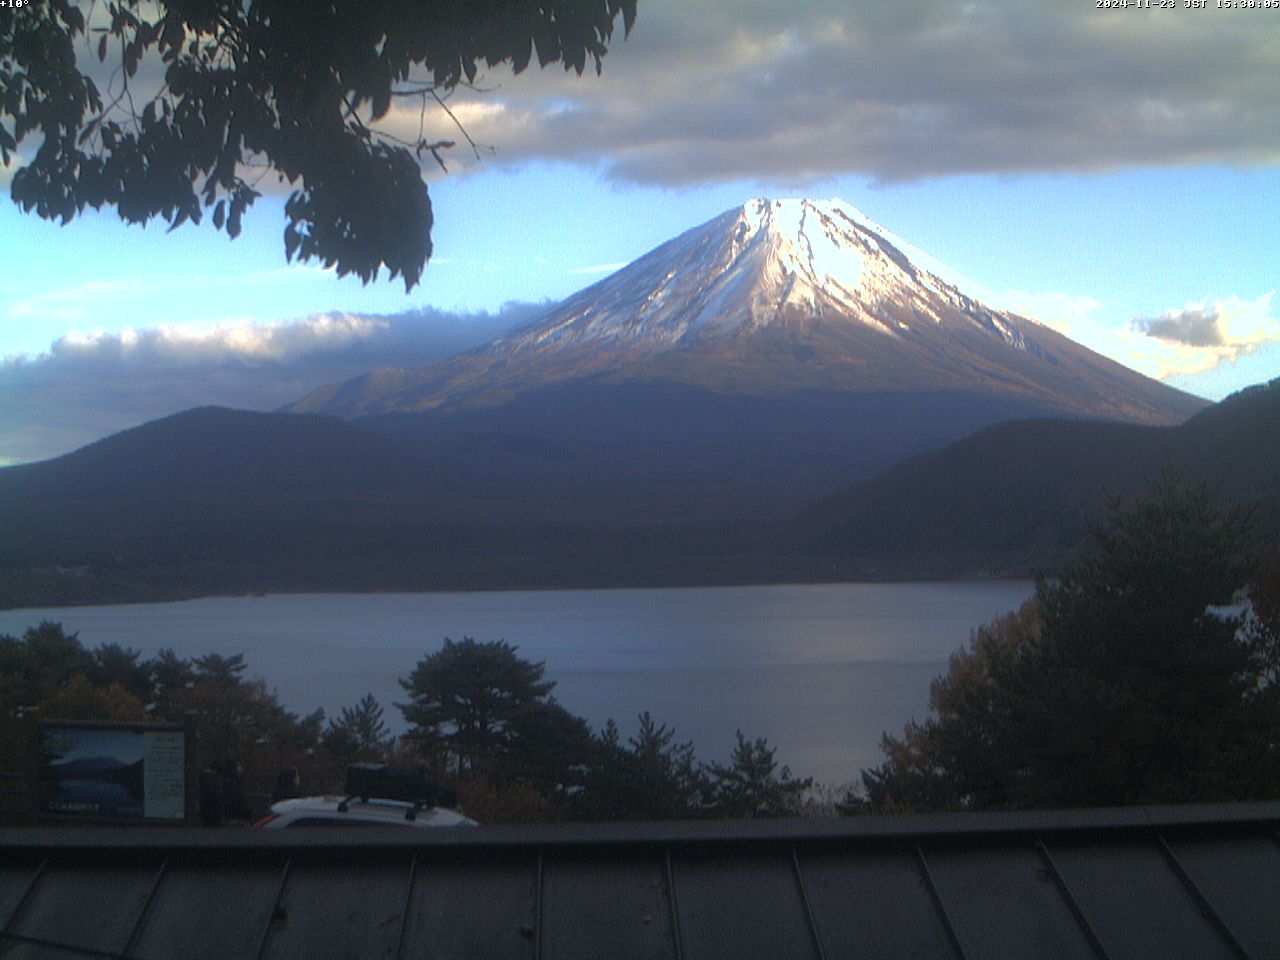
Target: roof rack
409,783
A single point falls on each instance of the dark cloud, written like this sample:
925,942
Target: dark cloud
710,90
1201,336
716,90
1195,327
87,387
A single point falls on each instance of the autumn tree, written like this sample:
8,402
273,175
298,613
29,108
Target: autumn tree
1129,680
234,717
39,664
967,752
206,98
82,699
48,673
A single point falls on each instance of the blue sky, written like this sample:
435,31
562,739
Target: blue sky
1117,177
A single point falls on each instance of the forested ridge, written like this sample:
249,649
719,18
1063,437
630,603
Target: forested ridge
216,502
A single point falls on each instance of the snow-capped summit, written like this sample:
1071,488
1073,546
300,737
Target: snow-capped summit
769,262
776,296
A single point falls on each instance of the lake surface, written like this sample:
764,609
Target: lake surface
820,670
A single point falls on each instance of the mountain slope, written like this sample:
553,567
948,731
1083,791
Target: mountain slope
214,451
774,297
217,501
207,501
1020,496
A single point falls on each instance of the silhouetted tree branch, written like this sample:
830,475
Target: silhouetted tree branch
293,86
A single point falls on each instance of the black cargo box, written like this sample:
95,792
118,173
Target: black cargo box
408,782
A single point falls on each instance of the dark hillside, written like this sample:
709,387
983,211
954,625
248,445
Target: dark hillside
636,485
216,452
1020,496
219,501
209,500
679,453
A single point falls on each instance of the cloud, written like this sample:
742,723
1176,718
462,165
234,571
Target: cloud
1194,339
1201,336
87,386
712,90
1195,326
175,346
722,90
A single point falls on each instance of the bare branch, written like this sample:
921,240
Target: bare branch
458,123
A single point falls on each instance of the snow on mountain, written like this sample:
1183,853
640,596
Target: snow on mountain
749,268
776,296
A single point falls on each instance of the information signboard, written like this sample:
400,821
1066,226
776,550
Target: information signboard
114,771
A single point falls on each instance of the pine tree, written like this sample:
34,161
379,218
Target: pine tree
466,698
359,733
751,785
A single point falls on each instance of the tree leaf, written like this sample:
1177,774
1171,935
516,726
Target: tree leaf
381,103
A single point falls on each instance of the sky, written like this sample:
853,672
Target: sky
1112,173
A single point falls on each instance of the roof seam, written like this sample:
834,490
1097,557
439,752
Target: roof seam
537,909
1202,901
952,934
276,908
64,946
138,924
27,894
1095,941
673,904
809,915
408,903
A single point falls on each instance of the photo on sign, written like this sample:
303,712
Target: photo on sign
99,771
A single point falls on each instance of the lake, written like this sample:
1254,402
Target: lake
820,670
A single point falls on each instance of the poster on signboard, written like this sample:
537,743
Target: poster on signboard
112,771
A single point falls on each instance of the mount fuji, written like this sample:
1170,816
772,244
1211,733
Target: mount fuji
776,298
723,410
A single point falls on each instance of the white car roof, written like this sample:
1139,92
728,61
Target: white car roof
327,811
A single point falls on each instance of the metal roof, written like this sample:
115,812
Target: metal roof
1167,882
